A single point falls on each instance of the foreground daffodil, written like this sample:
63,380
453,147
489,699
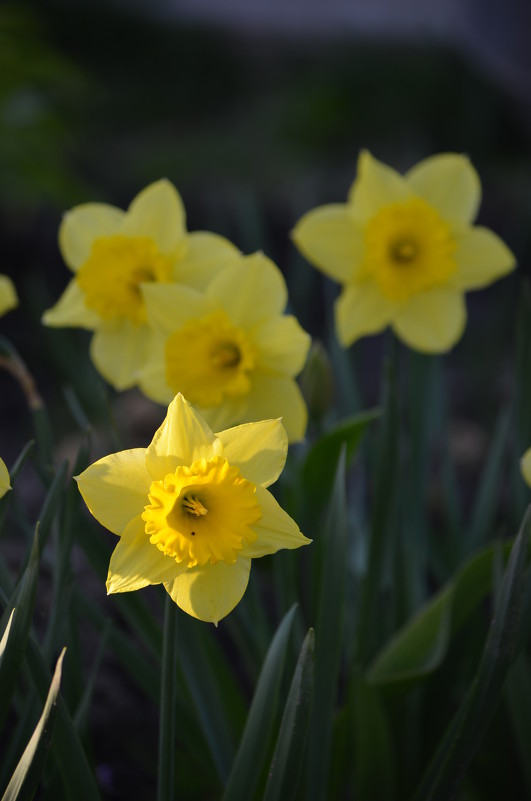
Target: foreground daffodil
230,349
5,484
192,509
8,295
113,253
405,250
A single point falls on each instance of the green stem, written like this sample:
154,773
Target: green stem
165,789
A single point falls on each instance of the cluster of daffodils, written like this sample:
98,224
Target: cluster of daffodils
174,311
186,315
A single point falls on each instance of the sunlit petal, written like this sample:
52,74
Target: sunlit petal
376,185
282,345
70,310
360,310
331,239
211,592
118,349
433,321
157,212
449,182
82,225
258,449
276,529
205,256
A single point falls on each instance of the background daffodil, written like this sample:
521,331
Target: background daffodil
8,295
192,509
112,253
5,484
230,350
405,250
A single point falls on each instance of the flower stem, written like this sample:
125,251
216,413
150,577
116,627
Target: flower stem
165,789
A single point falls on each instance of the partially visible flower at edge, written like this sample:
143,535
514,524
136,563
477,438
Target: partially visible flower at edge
525,466
230,350
192,509
8,295
405,250
112,253
5,484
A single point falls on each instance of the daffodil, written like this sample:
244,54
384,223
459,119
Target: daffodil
405,250
525,466
192,509
8,295
230,349
113,253
5,484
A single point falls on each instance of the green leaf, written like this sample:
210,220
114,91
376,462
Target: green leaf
373,756
518,697
421,645
318,466
29,769
51,503
329,643
13,654
463,736
256,735
286,765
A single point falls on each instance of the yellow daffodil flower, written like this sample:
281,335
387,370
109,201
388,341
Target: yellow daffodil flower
229,349
112,253
8,295
192,509
405,250
525,466
5,484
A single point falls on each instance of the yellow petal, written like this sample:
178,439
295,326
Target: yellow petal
250,290
118,349
481,258
158,212
170,306
258,449
275,529
70,310
8,295
450,184
116,488
282,345
152,373
525,466
81,226
376,185
431,322
331,239
135,562
211,592
274,396
205,255
360,310
5,484
182,438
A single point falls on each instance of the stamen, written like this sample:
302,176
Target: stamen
404,251
193,506
226,355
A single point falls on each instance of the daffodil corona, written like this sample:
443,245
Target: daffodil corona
230,349
193,509
113,253
405,250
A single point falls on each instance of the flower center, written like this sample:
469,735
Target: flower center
409,248
209,359
202,513
111,276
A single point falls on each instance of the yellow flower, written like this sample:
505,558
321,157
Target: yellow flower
229,349
405,250
8,295
192,509
112,253
525,466
5,485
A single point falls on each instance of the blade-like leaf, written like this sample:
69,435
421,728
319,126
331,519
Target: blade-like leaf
5,636
29,769
373,748
421,645
329,638
258,727
13,655
461,741
286,765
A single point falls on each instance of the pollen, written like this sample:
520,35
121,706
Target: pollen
110,278
203,513
409,249
209,359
